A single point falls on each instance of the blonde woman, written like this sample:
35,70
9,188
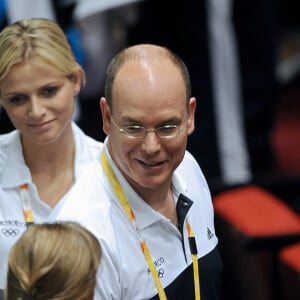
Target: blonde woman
42,159
55,261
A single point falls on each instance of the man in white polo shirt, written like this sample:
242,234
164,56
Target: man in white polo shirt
145,197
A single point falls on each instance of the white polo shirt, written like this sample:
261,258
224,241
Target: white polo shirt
123,273
13,173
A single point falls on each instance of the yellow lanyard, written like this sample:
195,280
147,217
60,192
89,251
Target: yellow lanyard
114,182
26,204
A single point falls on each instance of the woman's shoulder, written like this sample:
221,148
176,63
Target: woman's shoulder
83,137
87,148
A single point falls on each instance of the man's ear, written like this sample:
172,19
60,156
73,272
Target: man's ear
106,117
191,116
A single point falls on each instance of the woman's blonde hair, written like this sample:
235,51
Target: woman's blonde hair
55,261
39,39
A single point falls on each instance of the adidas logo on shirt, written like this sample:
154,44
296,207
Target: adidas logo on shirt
210,235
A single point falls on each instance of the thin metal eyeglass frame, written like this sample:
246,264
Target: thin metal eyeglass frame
155,130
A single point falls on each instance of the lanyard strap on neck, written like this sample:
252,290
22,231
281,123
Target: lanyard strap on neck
26,204
194,252
127,209
115,184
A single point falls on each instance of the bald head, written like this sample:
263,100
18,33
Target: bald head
143,54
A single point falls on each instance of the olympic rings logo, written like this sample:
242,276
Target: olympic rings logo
10,232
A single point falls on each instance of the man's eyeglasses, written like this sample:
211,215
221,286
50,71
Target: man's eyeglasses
139,132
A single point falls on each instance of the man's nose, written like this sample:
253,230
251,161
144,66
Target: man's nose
151,142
